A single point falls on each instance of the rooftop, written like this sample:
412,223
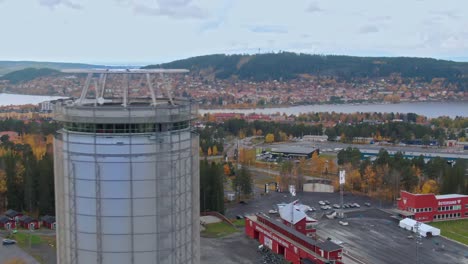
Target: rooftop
294,149
450,196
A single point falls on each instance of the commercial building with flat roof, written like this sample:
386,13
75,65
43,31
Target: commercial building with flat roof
430,207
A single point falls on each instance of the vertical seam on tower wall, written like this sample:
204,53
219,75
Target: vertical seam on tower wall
98,198
131,193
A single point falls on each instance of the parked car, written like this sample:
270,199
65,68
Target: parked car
272,211
239,217
336,206
6,242
357,205
343,223
324,207
367,204
311,209
321,203
327,202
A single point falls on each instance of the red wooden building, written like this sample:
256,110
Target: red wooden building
13,215
430,207
29,222
295,246
7,223
48,222
292,216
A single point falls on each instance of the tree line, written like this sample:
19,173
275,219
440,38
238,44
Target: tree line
27,175
387,175
243,128
392,131
213,176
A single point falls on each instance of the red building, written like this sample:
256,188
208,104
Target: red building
292,216
28,222
48,222
430,207
13,215
7,223
296,247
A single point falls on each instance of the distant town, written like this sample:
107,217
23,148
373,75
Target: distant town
230,93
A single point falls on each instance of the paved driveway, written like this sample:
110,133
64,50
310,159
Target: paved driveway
13,251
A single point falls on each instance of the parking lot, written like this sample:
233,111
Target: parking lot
372,236
267,202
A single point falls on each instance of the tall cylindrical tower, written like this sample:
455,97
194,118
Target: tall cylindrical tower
126,177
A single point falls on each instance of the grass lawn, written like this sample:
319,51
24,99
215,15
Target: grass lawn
218,230
23,239
456,229
239,222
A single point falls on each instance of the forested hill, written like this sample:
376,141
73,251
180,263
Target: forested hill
11,66
28,74
288,65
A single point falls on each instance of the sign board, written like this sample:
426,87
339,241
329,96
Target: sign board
342,177
292,190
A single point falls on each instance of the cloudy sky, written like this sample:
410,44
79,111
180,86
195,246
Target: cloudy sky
151,31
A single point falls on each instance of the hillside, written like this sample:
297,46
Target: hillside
28,74
10,66
288,65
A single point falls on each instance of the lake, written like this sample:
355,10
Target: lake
429,109
21,99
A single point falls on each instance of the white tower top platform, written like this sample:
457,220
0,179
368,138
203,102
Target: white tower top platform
100,85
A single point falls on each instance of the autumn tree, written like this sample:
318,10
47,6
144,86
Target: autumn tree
269,138
314,163
215,150
227,170
430,186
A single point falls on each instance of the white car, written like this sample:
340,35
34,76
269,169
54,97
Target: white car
272,211
321,202
343,223
357,205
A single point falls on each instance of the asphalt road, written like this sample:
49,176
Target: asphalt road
13,251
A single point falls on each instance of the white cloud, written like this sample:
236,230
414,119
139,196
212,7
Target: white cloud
170,8
314,8
268,29
368,29
55,3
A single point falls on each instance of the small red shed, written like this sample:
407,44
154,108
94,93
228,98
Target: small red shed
7,223
48,222
29,222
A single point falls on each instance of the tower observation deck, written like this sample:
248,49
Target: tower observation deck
127,171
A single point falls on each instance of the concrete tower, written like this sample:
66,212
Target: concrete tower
126,174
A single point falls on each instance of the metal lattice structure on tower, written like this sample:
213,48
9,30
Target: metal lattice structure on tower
126,173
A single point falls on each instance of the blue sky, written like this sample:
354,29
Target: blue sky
152,31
